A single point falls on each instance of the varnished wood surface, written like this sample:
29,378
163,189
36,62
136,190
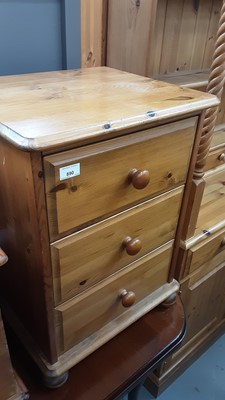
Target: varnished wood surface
92,310
45,110
93,32
11,387
212,206
153,223
194,80
207,254
215,158
105,169
130,35
7,378
161,37
218,138
115,367
24,237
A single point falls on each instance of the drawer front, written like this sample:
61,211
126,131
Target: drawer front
218,138
212,209
104,183
86,257
77,319
215,158
212,252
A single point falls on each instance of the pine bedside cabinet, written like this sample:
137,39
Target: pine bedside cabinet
94,167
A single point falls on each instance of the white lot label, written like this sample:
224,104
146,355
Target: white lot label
69,172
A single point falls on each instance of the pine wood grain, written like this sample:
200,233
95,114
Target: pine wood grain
48,110
205,322
215,158
57,118
104,174
171,37
93,32
207,251
155,54
212,32
74,270
212,207
194,80
177,35
135,25
218,138
86,314
27,273
203,33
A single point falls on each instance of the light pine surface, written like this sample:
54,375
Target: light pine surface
153,223
104,174
136,26
206,252
212,209
215,158
149,125
93,32
194,80
218,137
161,37
92,310
204,299
47,110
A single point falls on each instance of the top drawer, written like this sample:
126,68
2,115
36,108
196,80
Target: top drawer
99,176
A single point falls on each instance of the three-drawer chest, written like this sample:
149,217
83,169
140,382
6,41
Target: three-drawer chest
94,167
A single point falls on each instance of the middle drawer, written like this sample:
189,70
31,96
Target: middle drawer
87,257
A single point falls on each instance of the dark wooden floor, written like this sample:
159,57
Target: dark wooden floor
117,366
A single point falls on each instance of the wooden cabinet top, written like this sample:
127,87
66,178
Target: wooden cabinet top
53,109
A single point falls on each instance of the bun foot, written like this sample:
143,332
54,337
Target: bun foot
54,382
169,301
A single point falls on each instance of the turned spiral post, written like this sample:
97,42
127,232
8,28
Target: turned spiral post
215,86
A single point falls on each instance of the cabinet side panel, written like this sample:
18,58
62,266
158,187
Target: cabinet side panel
7,378
22,281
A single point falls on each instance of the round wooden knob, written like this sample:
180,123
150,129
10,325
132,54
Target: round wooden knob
3,257
128,298
132,246
222,157
223,242
139,178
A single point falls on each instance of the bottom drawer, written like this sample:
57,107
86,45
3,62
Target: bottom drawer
85,314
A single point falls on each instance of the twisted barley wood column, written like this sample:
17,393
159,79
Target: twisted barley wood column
215,86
